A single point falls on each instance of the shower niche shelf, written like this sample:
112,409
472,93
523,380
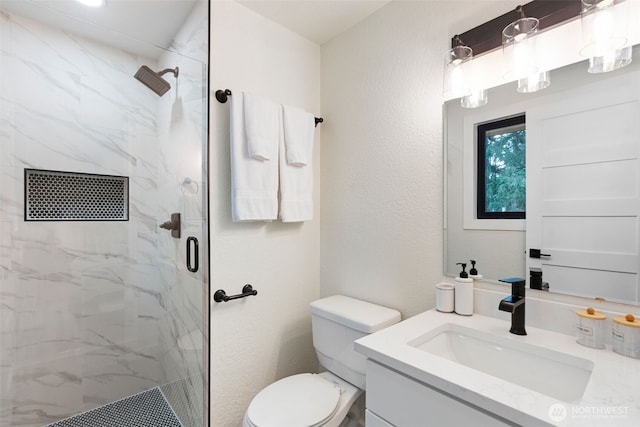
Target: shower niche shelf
71,196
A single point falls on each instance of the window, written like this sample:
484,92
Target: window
501,184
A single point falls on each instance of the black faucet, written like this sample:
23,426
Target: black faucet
514,304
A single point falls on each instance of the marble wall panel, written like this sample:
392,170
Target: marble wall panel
78,329
46,391
95,311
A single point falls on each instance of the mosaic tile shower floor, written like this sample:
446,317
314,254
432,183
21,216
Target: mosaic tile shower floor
146,409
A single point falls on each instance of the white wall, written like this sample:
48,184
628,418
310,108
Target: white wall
380,208
382,198
259,339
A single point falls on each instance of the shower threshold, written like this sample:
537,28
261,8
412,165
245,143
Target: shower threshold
146,409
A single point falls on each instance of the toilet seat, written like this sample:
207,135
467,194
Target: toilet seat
303,400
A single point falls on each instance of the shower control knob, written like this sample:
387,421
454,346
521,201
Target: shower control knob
173,225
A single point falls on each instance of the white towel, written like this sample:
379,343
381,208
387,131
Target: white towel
261,125
299,126
254,183
296,184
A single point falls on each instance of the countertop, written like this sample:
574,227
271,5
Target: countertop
611,398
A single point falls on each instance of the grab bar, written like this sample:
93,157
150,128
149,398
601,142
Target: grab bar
221,296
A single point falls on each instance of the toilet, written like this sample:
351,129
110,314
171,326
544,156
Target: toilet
325,399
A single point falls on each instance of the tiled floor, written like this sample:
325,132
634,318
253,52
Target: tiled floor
146,409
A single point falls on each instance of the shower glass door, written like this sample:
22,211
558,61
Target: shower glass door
98,302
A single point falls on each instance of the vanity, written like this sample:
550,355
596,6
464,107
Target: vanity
443,369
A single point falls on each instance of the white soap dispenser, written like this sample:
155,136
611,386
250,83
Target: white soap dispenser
463,292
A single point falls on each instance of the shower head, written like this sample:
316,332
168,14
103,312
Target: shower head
153,80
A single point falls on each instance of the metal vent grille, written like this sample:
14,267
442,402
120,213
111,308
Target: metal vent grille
68,196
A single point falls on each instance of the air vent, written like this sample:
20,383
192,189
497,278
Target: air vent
69,196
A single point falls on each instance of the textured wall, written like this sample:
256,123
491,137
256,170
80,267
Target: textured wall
259,339
382,198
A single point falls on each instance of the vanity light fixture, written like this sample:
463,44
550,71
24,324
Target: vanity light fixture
488,36
604,34
456,78
93,3
519,50
459,79
518,46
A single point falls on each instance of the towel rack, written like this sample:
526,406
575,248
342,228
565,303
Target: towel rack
223,95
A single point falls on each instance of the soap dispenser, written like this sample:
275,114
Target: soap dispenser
473,273
463,292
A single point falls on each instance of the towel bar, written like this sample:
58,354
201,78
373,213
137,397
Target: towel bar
223,95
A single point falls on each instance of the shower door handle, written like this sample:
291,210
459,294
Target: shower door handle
192,267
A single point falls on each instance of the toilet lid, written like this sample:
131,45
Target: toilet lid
302,400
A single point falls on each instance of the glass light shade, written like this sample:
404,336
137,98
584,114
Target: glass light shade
534,83
455,74
477,98
610,61
519,48
604,34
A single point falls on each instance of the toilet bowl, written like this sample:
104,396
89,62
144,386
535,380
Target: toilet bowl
327,399
309,400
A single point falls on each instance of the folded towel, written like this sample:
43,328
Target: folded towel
261,125
254,183
299,126
296,186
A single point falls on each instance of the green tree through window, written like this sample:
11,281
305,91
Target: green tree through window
502,169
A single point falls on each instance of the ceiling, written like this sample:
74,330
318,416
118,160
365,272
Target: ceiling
133,25
317,20
140,25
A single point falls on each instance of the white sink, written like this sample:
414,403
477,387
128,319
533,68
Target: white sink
546,371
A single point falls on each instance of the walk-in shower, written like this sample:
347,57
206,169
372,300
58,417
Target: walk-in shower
153,80
103,314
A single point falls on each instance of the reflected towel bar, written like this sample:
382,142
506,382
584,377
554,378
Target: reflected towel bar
223,95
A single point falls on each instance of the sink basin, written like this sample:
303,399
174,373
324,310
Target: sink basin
546,371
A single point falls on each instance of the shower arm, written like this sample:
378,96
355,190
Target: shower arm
175,71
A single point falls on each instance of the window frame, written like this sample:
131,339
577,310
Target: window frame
481,132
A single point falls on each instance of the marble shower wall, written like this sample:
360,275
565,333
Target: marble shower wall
91,312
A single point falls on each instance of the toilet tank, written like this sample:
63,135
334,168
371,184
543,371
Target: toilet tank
338,321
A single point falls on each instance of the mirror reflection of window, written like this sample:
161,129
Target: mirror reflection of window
501,183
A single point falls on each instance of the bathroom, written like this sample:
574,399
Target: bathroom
377,232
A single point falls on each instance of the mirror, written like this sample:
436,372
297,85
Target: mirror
500,247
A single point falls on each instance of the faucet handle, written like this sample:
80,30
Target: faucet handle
517,285
519,281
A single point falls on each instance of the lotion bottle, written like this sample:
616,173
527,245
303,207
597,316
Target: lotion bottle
463,293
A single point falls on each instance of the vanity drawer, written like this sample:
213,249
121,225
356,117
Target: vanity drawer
403,401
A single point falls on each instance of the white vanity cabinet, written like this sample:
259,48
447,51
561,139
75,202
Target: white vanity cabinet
410,384
394,399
